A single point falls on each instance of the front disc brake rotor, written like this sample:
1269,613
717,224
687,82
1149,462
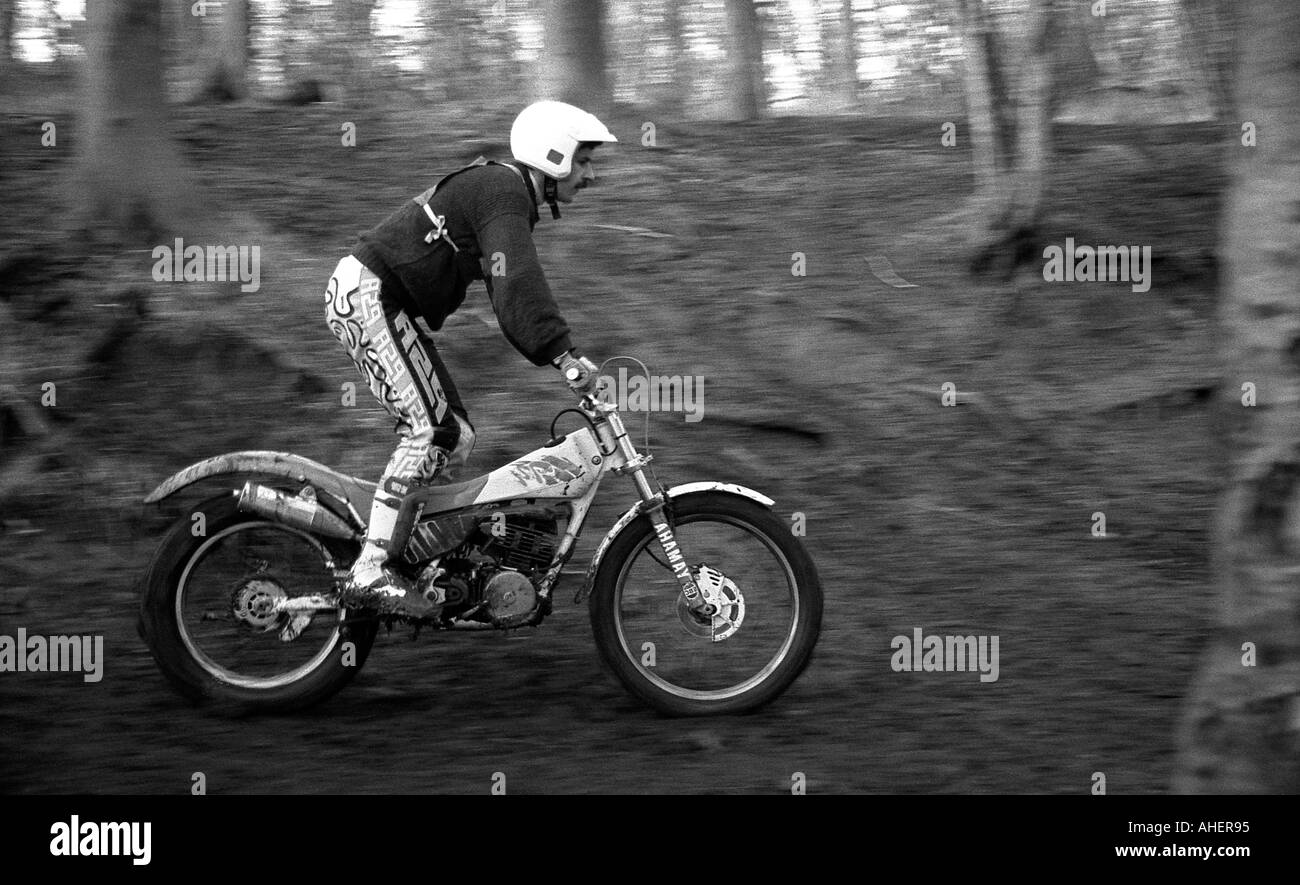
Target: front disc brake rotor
723,594
253,602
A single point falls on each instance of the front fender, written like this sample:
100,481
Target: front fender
280,464
635,510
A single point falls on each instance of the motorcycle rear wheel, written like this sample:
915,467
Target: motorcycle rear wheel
203,616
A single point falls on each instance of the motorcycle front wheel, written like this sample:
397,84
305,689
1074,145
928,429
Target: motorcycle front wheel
205,612
759,577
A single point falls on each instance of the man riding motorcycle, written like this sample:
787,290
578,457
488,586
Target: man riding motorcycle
476,223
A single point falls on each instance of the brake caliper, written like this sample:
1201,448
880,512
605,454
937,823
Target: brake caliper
726,600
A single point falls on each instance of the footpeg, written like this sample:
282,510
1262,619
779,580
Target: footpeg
294,626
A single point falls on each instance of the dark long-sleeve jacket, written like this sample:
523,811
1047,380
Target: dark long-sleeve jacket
488,211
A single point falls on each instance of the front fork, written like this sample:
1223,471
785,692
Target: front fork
653,503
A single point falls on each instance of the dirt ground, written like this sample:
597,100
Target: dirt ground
821,390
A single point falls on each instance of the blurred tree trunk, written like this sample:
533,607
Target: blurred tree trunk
1207,28
638,32
1103,41
1075,67
450,66
226,77
1011,130
74,32
8,20
132,181
679,78
837,37
186,37
748,92
848,52
352,37
981,59
439,69
1241,733
574,64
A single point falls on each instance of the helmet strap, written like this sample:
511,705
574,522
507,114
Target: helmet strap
548,194
527,174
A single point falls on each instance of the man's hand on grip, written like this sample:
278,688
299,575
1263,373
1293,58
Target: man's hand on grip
580,373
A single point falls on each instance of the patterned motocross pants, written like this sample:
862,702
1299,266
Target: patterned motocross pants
403,371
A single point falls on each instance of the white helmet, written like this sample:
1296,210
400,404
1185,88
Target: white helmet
546,135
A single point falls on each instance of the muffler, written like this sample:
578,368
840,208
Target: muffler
300,511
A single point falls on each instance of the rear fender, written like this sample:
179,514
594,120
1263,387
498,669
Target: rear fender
354,492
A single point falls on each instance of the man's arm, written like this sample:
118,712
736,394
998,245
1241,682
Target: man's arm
529,316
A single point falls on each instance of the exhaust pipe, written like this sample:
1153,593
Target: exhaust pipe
300,512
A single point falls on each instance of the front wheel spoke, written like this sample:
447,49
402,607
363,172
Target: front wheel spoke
694,659
745,636
654,554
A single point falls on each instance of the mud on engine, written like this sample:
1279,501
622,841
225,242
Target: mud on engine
491,577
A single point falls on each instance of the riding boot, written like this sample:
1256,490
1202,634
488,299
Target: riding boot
374,582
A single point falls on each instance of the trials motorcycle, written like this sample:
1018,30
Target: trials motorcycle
702,601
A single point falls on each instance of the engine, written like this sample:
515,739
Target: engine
521,542
492,576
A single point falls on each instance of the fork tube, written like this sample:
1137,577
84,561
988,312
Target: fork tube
630,454
654,509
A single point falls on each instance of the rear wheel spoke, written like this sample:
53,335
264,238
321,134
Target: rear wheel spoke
224,604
